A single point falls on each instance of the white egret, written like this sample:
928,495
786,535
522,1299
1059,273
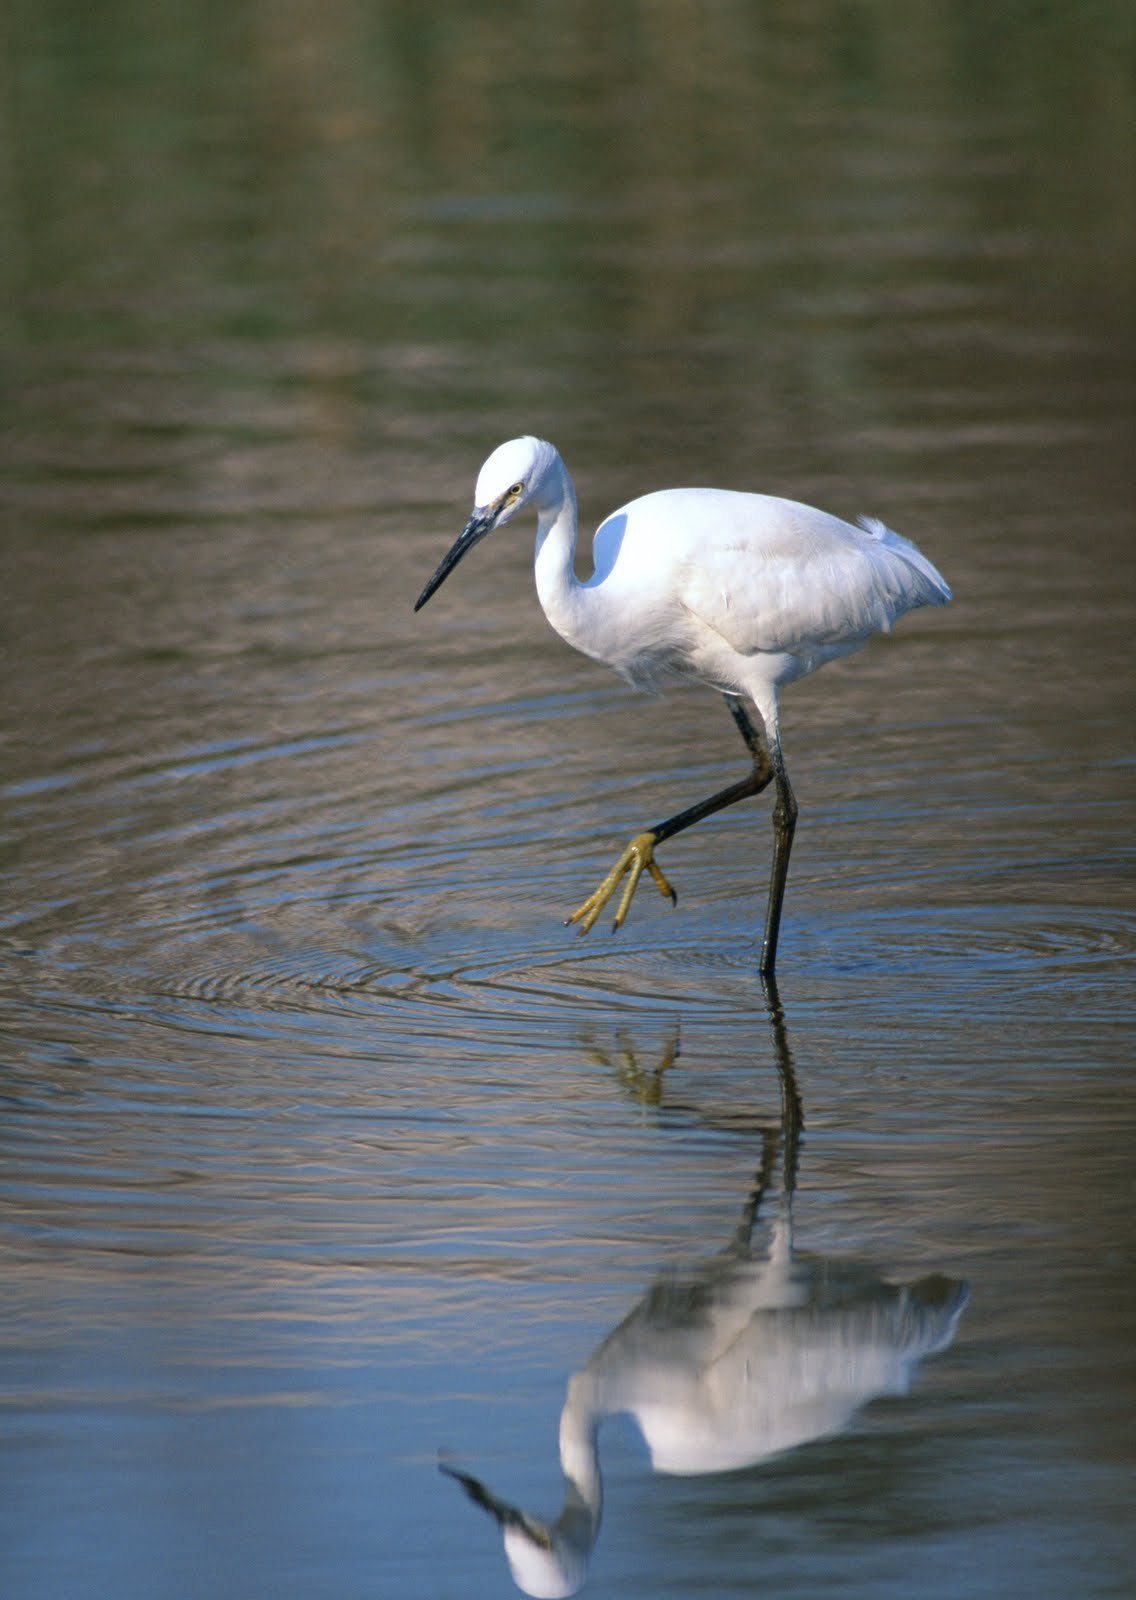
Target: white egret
742,592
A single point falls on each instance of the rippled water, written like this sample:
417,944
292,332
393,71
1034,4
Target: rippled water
325,1146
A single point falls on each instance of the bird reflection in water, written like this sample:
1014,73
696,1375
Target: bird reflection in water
738,1358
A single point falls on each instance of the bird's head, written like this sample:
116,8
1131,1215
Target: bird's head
519,471
548,1560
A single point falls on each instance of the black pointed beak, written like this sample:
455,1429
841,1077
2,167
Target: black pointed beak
481,523
505,1515
499,1510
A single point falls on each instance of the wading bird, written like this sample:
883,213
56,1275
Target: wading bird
742,592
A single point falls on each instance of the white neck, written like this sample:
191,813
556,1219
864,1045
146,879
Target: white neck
579,1454
551,1560
556,584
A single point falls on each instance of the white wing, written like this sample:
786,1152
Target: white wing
773,575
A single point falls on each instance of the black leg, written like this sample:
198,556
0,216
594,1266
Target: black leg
759,779
755,744
784,826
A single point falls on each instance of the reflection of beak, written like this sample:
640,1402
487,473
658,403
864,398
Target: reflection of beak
481,523
505,1515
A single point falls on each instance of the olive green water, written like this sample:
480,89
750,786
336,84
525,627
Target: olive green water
324,1145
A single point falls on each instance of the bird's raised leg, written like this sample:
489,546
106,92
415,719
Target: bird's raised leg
639,855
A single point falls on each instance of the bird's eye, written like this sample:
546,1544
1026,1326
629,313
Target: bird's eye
516,489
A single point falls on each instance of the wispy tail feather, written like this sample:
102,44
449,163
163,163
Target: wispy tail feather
934,590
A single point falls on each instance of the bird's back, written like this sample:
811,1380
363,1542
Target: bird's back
765,574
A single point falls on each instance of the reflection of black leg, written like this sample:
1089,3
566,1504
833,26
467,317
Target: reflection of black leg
792,1113
786,1137
770,1139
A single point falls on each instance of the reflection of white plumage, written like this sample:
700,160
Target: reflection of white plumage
752,1357
745,1356
742,592
721,1370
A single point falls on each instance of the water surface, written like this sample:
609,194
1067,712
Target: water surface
325,1146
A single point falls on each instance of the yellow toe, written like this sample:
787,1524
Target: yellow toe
638,857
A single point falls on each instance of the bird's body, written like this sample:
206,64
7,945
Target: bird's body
737,591
741,592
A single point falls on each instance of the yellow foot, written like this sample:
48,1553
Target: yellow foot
640,854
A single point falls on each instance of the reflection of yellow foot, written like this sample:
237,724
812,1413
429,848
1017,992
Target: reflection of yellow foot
640,854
